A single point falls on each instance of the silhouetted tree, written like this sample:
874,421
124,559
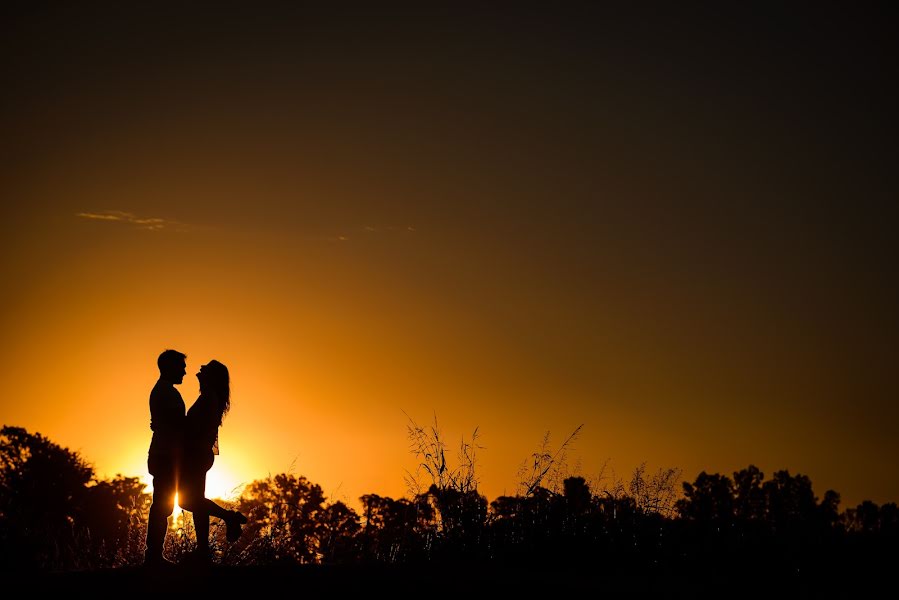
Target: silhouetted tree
397,530
749,499
111,520
790,502
864,518
460,518
285,512
829,509
42,492
291,522
709,499
338,527
577,495
521,525
889,519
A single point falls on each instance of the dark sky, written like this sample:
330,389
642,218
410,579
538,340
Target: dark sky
684,218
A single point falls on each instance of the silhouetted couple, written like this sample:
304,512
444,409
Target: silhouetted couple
182,450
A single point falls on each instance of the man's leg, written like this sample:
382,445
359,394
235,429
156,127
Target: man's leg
163,506
201,526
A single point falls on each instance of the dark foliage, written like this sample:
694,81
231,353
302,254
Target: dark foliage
55,515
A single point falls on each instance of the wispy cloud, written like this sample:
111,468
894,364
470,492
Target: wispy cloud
389,229
369,230
147,223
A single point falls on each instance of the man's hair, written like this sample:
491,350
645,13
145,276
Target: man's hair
169,360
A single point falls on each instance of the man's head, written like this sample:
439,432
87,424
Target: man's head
172,366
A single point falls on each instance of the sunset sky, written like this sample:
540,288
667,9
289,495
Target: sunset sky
678,229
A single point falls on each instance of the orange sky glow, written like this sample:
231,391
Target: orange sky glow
521,234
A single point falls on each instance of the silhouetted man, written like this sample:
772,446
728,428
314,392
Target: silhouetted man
163,461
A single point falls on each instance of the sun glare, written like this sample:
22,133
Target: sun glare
220,483
177,512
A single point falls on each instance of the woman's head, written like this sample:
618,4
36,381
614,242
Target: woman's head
214,379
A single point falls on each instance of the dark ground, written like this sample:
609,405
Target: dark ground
471,580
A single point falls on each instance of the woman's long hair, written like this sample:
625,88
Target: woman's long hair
218,381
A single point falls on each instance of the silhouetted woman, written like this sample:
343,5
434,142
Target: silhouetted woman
200,446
